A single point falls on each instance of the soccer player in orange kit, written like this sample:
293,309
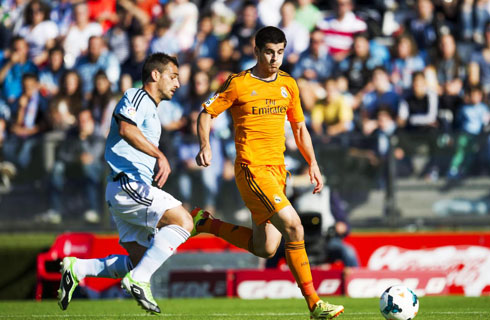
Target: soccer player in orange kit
259,100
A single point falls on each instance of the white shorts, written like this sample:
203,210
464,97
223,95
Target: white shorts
137,208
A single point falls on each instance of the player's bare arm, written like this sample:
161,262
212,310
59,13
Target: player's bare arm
132,135
204,156
305,146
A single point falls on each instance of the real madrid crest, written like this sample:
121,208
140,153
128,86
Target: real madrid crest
284,92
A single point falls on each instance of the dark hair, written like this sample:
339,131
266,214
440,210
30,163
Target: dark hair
362,34
15,39
156,61
418,74
475,88
386,109
56,48
30,75
29,13
269,35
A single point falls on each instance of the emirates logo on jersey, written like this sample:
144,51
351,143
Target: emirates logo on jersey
284,92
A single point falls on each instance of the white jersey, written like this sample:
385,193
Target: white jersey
136,107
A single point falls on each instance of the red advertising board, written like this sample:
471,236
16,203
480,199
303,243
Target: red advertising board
278,284
198,284
365,283
463,257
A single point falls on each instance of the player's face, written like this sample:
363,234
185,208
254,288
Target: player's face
168,82
269,58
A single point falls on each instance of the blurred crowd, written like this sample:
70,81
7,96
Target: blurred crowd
368,71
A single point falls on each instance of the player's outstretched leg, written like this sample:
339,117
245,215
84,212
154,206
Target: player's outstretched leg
325,310
68,282
141,291
238,236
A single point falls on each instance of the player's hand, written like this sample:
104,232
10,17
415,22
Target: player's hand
316,177
204,157
163,170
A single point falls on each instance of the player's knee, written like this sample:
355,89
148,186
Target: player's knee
266,253
295,232
187,222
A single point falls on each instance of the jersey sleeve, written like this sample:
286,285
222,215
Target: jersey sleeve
295,112
223,99
126,111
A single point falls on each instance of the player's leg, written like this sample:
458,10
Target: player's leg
289,225
174,228
238,236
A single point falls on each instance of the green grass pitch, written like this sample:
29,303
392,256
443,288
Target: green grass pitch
440,308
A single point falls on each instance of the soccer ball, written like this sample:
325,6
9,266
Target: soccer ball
398,303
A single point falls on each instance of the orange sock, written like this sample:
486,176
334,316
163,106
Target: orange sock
300,267
236,235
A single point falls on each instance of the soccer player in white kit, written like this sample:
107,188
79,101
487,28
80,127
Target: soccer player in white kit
151,223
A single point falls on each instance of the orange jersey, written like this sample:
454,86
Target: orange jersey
259,110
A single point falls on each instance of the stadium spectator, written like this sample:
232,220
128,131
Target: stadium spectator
472,118
479,65
405,62
39,32
244,29
359,65
50,75
29,120
139,17
314,66
103,12
14,65
206,44
62,15
134,64
418,119
197,91
381,95
102,103
79,33
226,61
118,36
80,157
332,117
14,17
97,58
68,101
451,75
340,29
474,16
164,40
62,113
296,34
308,14
268,12
424,27
184,17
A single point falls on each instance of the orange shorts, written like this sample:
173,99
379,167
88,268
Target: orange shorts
262,189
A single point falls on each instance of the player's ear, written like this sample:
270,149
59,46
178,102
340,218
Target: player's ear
155,75
256,51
